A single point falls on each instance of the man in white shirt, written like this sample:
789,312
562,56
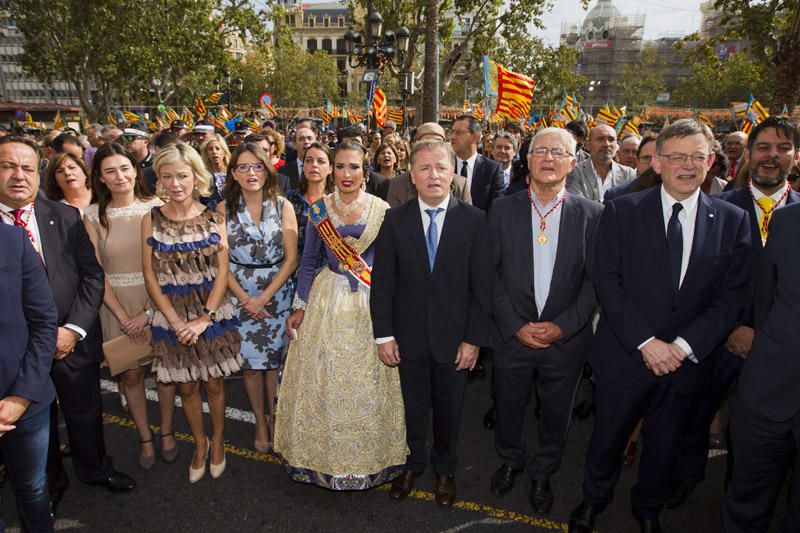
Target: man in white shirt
430,302
596,175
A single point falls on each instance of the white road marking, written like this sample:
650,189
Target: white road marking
485,521
230,412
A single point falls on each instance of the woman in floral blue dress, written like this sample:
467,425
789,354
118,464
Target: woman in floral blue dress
262,240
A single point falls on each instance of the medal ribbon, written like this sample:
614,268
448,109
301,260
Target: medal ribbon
543,218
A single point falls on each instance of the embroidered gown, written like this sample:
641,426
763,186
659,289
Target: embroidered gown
339,418
256,255
184,259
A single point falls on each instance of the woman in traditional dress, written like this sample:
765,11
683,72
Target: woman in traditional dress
194,323
262,239
114,224
340,421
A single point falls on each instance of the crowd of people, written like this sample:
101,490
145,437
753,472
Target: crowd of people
357,279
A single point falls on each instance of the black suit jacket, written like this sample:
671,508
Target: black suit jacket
76,278
27,325
741,198
487,182
289,169
635,290
571,301
769,379
432,311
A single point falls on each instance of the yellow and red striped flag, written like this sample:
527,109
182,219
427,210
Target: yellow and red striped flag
58,122
379,106
702,117
200,107
395,114
214,98
477,111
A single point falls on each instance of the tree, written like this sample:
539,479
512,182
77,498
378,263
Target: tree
299,78
641,82
773,29
715,82
111,50
431,50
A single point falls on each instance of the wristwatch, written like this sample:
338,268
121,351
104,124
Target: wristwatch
211,314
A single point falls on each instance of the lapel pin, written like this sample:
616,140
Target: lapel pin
711,215
52,223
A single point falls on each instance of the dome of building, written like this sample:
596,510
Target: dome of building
600,21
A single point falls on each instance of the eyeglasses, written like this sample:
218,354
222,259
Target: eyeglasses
680,159
555,153
129,138
246,167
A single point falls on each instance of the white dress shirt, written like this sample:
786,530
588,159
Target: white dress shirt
759,195
603,185
470,167
507,176
426,222
688,218
33,227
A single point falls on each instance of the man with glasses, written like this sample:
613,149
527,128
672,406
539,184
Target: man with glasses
595,176
136,140
671,272
484,176
542,314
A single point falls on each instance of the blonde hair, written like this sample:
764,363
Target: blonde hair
183,154
275,139
226,152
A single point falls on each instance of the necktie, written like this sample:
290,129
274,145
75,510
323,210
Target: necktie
732,169
17,214
464,169
432,236
767,206
675,245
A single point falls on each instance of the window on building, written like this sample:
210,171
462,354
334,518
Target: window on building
341,22
312,45
341,46
326,22
310,19
327,45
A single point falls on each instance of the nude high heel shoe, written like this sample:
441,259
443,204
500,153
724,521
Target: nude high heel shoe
196,474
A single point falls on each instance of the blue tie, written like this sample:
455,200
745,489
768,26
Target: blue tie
675,245
432,237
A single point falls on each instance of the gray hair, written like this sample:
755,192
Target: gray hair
433,146
502,134
565,135
685,127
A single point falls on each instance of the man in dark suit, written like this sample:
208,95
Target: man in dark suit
28,336
671,273
430,303
303,138
544,300
76,279
772,151
765,409
484,176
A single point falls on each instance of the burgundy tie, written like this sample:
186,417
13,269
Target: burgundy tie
17,214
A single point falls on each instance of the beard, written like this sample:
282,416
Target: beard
768,182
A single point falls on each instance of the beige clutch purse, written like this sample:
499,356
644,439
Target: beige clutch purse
122,354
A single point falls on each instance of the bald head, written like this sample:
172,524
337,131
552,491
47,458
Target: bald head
627,150
602,145
734,145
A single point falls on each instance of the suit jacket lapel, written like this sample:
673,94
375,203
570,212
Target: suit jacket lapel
567,229
703,227
417,230
47,223
445,233
523,240
653,217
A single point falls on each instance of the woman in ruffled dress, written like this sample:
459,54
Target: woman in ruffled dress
339,418
114,223
262,239
194,324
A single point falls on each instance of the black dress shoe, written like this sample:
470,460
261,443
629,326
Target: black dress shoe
488,418
541,496
445,490
503,479
56,495
583,410
679,494
116,482
403,484
649,525
582,518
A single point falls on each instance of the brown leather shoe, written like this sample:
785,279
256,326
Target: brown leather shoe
445,490
403,484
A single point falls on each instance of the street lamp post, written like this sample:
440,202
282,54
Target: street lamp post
230,90
378,50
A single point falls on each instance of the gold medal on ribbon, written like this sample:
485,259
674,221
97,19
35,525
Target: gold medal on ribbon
542,238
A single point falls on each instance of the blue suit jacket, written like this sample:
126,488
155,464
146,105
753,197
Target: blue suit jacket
487,182
636,295
28,323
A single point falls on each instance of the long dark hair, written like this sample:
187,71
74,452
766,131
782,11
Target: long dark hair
303,185
100,192
232,191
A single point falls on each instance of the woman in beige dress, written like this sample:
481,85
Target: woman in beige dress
114,224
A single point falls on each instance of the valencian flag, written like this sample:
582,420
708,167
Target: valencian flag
702,117
379,106
58,122
512,92
130,116
754,115
477,111
199,107
395,114
214,98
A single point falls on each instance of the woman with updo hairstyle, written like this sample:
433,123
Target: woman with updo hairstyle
339,416
114,224
194,324
262,234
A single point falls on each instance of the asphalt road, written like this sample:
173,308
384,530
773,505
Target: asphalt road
255,493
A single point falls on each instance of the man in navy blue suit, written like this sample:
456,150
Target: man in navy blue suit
672,276
28,335
772,152
484,176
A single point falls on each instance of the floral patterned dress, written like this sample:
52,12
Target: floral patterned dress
256,255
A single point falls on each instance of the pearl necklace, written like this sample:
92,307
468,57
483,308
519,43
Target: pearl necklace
347,208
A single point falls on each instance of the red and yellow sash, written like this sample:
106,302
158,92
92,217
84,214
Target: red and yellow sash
348,258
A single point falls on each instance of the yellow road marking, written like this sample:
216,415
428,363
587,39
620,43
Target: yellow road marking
494,512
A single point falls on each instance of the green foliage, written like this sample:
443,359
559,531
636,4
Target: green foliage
641,82
116,50
299,78
715,83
